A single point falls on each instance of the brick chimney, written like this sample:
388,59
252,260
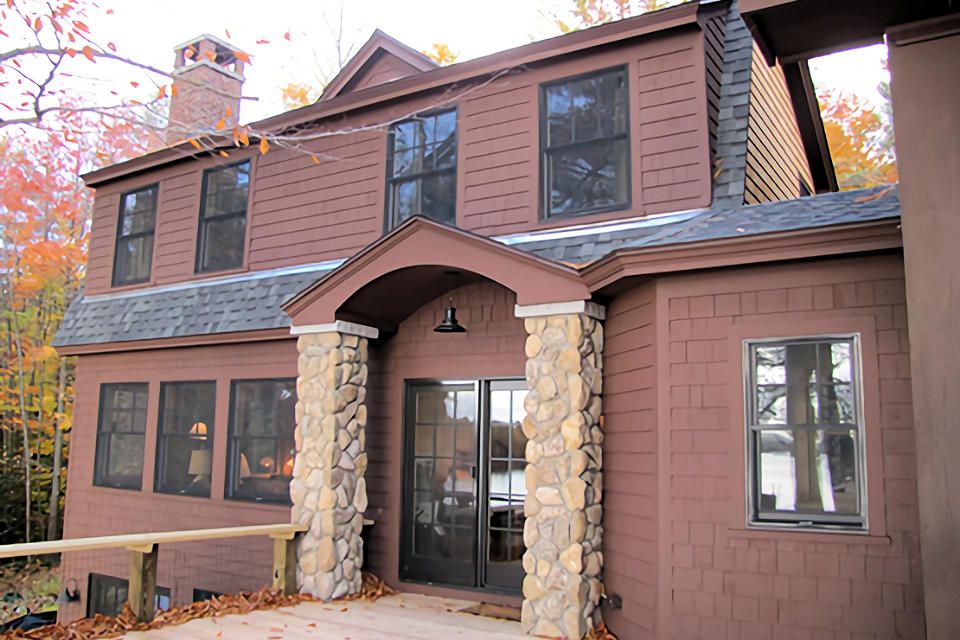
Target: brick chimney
207,81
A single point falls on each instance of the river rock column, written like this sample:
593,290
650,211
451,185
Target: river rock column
328,489
564,483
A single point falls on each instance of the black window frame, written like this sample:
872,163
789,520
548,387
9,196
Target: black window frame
202,244
233,453
544,150
202,595
101,457
122,237
108,581
757,515
164,438
389,223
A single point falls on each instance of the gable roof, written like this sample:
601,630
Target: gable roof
376,49
571,43
253,302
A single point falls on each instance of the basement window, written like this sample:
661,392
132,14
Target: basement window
120,428
185,437
585,144
805,433
423,168
135,231
106,596
223,218
261,440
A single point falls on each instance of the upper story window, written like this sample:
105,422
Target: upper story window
422,175
585,143
122,423
805,432
261,439
185,436
223,217
135,230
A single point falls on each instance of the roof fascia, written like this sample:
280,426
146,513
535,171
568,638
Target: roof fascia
726,252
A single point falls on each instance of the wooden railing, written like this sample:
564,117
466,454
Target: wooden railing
143,549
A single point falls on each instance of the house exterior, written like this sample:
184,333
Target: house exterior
682,401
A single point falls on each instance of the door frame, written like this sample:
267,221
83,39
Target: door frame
482,387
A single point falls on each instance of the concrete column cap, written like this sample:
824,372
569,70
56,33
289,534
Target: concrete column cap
586,307
338,326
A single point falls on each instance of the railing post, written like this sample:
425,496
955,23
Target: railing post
142,585
285,564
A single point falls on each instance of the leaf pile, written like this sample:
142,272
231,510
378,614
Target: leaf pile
600,632
101,626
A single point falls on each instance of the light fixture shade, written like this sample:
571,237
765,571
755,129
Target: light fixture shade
449,323
200,462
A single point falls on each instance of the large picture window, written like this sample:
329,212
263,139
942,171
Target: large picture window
586,145
135,230
805,432
106,595
223,217
120,434
185,437
423,168
261,439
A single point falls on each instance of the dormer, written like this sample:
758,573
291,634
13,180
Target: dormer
381,59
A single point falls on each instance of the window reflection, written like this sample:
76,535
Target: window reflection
805,432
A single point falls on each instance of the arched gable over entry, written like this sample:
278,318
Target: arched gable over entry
419,261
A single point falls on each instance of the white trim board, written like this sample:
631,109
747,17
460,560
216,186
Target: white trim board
585,307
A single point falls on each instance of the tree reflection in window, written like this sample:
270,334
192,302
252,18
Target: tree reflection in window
805,434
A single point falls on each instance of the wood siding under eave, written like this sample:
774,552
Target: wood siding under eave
303,212
630,545
674,152
385,68
776,162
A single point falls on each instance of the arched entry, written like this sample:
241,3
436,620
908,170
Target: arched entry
343,321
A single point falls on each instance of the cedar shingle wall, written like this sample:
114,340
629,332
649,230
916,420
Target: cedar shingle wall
224,565
728,583
630,461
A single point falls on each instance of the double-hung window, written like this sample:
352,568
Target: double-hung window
135,231
185,437
261,439
585,143
805,432
223,217
422,178
120,434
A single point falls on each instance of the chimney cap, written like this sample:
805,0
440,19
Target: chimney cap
212,38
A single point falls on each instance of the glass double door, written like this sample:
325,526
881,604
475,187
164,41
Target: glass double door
464,461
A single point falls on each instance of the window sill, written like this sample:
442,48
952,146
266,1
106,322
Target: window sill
808,534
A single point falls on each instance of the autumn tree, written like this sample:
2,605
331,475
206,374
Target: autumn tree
860,138
590,13
44,223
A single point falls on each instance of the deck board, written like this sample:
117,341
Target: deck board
403,616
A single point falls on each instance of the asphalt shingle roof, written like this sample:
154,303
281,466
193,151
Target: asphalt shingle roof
253,303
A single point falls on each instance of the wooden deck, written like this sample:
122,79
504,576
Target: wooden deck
400,617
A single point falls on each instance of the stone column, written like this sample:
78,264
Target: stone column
328,489
564,483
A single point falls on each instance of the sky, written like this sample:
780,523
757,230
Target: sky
148,30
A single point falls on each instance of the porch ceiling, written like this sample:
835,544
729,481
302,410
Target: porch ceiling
419,261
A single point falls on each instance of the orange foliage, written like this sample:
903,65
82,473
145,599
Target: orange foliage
440,53
860,140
